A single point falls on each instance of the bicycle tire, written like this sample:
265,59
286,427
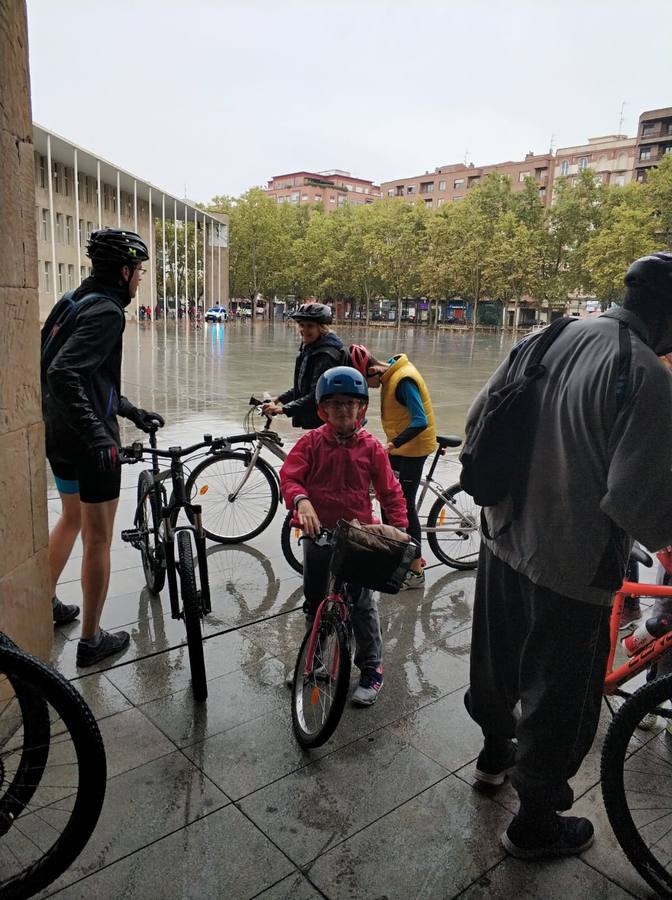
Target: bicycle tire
29,677
331,626
289,543
232,522
192,612
620,767
148,520
461,551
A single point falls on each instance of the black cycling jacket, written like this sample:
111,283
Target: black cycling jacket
84,378
313,359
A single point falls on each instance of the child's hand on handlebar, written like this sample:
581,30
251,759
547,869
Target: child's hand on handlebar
272,408
308,518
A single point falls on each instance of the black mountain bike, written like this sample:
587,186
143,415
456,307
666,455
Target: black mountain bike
156,533
53,773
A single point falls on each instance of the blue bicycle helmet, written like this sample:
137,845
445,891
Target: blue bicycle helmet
342,380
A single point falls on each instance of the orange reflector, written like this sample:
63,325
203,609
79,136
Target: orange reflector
442,517
203,490
314,696
297,533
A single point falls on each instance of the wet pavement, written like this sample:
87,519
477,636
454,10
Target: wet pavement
217,800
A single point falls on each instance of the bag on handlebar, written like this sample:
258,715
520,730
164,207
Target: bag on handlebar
373,556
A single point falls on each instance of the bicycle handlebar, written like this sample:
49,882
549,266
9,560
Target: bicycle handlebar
136,451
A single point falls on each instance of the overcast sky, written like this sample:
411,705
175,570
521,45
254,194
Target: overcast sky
216,97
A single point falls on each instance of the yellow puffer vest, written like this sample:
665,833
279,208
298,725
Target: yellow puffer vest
396,417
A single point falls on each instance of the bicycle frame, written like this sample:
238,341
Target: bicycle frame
335,596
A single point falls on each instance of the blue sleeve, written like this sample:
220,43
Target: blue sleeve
407,393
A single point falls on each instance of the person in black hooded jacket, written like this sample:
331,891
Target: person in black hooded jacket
81,401
320,350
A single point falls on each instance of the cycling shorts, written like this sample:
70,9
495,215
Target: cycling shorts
84,479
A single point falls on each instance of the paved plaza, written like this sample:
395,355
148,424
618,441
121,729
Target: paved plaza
217,800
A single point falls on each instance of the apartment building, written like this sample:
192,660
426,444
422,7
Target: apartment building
612,157
333,189
77,191
449,183
654,139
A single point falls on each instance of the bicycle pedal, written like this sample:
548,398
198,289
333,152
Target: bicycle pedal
131,535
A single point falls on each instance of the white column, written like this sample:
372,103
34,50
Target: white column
135,228
76,177
100,197
186,259
51,218
163,259
196,259
212,260
152,261
118,202
205,256
175,242
219,266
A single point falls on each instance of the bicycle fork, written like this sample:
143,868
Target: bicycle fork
312,642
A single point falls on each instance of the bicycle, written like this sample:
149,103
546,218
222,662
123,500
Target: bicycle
155,534
322,670
53,773
452,525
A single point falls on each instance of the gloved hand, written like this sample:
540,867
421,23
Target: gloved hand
107,458
143,419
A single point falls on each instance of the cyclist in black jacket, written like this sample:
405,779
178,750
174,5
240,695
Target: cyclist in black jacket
81,402
320,350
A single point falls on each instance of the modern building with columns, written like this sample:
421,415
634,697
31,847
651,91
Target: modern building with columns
77,191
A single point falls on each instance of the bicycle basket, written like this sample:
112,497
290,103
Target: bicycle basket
369,559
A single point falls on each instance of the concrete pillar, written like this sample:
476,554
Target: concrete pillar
25,606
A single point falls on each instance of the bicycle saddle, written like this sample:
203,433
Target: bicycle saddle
451,440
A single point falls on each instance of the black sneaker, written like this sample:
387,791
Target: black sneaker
64,612
108,645
558,836
495,763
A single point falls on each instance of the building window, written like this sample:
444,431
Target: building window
304,197
89,189
61,278
542,193
67,181
428,202
60,229
564,167
341,199
71,277
523,175
583,163
391,192
68,230
645,153
442,185
44,225
55,174
359,189
458,184
400,190
410,189
648,128
80,228
618,179
332,200
426,187
42,172
89,229
667,149
440,201
295,197
114,199
46,276
318,198
82,273
106,196
641,176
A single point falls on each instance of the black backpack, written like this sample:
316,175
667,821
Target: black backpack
60,324
495,456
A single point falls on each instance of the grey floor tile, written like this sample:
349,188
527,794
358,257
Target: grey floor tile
142,806
220,856
239,697
548,880
450,833
131,740
320,805
101,695
294,887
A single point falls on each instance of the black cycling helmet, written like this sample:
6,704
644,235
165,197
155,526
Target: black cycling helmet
110,247
653,272
342,380
319,313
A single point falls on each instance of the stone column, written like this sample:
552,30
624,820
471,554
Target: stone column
25,610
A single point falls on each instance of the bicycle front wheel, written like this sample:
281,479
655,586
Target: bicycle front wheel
236,504
454,537
192,612
52,774
290,542
318,695
636,777
148,521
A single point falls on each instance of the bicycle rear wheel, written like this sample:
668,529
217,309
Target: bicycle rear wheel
289,541
233,512
457,538
148,521
193,613
636,778
319,697
52,774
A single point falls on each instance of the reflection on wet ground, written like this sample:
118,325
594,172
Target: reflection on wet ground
219,800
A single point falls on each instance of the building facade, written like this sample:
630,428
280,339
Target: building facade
77,192
654,140
612,157
447,184
332,189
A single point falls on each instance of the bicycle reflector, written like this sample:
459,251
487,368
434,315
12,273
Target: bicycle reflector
203,490
315,696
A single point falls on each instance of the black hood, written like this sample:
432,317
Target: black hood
655,311
93,285
328,340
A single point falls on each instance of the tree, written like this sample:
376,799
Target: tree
658,193
177,285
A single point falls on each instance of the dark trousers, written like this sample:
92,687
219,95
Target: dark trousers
365,620
409,472
549,652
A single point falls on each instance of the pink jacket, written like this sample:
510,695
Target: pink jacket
336,478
